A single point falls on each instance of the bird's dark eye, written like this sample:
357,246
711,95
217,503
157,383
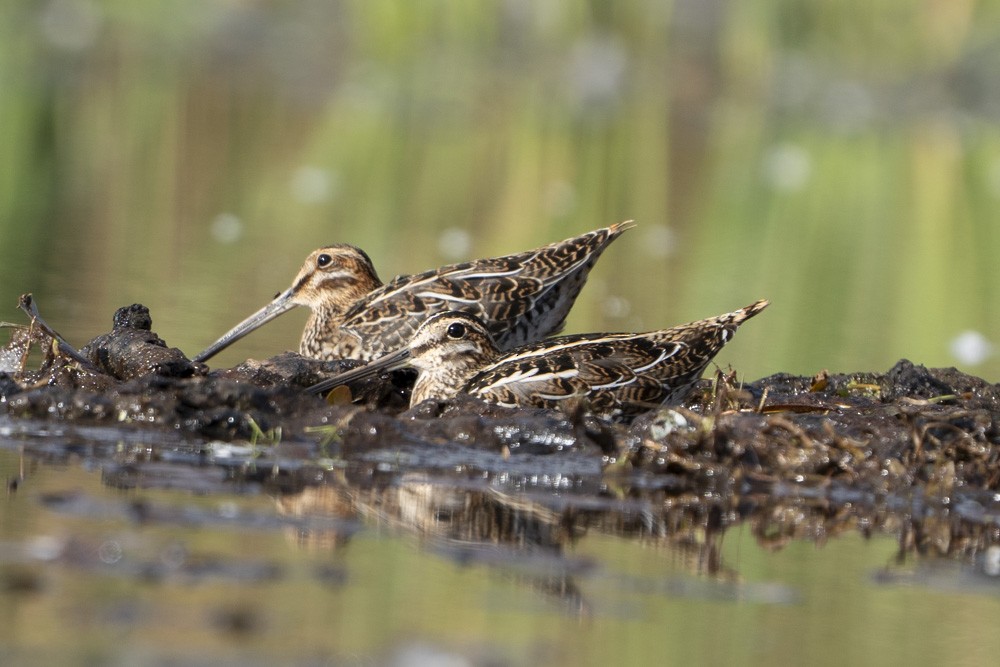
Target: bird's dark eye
456,330
323,260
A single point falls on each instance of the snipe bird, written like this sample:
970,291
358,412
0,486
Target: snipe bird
618,374
521,298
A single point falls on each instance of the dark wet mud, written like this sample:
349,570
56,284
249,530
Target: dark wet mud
912,451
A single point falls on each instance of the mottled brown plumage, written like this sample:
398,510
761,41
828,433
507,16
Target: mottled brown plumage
617,374
521,298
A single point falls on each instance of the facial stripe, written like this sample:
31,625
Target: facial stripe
338,276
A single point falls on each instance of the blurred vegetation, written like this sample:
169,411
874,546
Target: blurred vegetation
839,157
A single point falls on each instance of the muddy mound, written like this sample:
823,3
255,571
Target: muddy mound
881,431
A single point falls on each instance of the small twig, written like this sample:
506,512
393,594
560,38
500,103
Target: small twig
27,304
763,400
933,400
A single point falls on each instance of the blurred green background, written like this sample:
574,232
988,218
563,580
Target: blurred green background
839,157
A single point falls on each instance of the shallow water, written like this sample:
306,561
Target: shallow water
234,556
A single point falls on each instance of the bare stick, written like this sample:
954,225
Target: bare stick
27,304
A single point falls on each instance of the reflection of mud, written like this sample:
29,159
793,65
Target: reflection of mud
529,535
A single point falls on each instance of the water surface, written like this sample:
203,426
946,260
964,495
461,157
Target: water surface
119,561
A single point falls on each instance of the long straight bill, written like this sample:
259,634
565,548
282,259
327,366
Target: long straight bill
281,303
383,364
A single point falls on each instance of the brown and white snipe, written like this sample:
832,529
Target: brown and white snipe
617,374
521,298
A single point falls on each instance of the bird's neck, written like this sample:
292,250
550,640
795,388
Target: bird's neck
446,379
321,335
